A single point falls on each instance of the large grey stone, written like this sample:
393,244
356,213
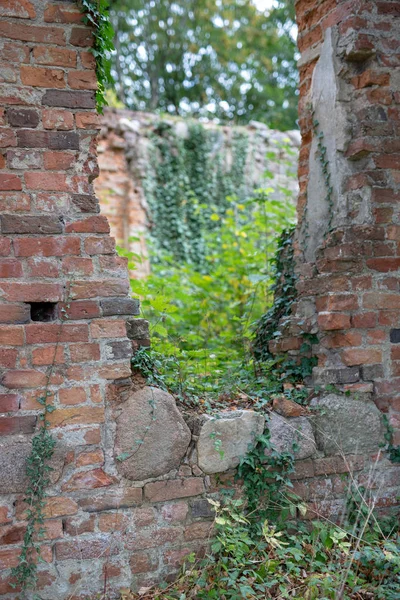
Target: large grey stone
284,433
225,438
344,425
14,451
152,437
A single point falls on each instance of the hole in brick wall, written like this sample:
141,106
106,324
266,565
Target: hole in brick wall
43,311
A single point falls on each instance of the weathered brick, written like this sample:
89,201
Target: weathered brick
52,333
11,335
62,13
108,328
143,562
89,480
32,33
56,182
17,425
85,549
160,491
82,80
96,224
57,119
333,321
81,36
118,499
77,526
24,159
54,140
89,458
9,557
71,396
69,99
57,57
23,117
87,120
82,310
85,203
77,266
120,306
10,267
63,417
59,161
31,224
85,352
24,379
8,403
7,137
117,350
47,246
82,290
48,355
44,77
9,181
99,245
115,521
21,9
31,292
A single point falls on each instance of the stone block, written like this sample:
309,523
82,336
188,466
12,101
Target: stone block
226,437
344,425
152,437
293,432
137,329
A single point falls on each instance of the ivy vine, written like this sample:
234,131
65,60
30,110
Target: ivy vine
285,293
324,162
97,15
187,185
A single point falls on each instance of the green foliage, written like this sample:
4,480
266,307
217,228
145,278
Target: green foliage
285,293
186,184
206,58
393,451
97,15
202,318
38,472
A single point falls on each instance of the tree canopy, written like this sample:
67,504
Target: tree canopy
223,59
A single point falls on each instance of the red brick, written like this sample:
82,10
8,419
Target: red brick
48,355
42,267
108,328
99,245
77,526
175,513
11,336
9,181
87,120
10,267
53,118
387,196
88,480
116,370
82,80
82,310
24,159
141,562
339,302
110,522
73,265
30,224
361,356
332,321
85,549
62,13
17,425
31,292
24,379
88,60
160,491
364,320
71,396
8,403
89,458
175,558
21,9
47,246
59,161
81,36
338,464
371,77
388,161
5,243
84,290
116,499
45,333
381,300
384,265
58,506
97,224
9,557
84,352
82,415
8,358
56,182
42,77
58,57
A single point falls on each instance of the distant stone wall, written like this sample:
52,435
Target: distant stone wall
126,149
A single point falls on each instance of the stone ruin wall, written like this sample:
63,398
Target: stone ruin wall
125,150
67,323
347,242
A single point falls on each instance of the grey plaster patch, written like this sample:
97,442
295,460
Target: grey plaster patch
224,439
152,437
344,425
330,113
286,432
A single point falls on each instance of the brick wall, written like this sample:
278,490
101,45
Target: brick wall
347,243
